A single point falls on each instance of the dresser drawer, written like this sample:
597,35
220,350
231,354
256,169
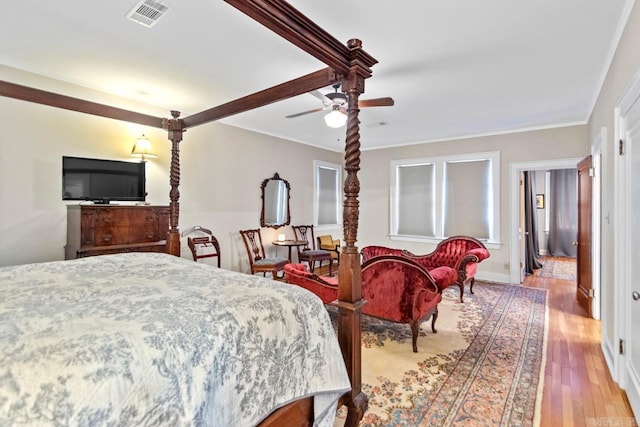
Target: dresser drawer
96,230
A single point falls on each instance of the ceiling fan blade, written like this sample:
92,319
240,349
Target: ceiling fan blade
321,97
315,110
377,102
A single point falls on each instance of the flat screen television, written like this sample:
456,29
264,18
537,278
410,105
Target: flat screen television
102,181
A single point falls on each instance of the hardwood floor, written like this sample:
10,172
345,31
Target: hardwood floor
578,389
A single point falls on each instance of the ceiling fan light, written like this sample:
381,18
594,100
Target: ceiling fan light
335,118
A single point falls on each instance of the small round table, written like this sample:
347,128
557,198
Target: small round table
289,244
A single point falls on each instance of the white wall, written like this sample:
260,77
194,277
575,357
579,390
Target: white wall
565,142
626,62
32,143
222,168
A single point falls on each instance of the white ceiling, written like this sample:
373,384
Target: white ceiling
455,68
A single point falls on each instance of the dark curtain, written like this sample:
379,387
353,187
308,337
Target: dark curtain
532,247
563,214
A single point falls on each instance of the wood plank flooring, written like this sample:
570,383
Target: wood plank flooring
578,389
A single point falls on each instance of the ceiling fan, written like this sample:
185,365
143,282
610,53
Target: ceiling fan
337,103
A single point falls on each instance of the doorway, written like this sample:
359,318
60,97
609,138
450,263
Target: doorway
550,222
516,272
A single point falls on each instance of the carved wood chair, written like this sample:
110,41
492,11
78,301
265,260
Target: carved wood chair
257,259
308,252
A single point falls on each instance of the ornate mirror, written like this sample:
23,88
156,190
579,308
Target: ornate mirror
275,202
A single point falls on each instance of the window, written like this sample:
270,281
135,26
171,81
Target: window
437,197
327,200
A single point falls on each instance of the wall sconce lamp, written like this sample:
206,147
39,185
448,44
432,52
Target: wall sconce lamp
335,118
143,148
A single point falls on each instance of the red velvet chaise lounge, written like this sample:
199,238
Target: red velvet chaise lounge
396,288
462,253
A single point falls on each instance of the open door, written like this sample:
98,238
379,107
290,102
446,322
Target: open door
584,292
521,228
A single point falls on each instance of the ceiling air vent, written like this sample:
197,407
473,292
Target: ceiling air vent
148,12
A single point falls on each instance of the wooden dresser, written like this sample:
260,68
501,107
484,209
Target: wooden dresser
110,229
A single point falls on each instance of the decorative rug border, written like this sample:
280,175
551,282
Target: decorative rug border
454,404
496,379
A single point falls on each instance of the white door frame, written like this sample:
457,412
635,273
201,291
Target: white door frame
515,169
623,272
598,147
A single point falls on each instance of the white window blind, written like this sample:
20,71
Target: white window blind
416,213
467,199
328,181
436,197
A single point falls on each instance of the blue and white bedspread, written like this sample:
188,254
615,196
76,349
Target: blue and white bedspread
145,339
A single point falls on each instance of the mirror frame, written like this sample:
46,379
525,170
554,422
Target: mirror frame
275,177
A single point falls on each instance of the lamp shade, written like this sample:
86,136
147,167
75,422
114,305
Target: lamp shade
335,118
142,148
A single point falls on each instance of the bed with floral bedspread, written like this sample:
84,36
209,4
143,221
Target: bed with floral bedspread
157,340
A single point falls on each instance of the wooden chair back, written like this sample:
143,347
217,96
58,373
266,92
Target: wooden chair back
257,259
253,243
305,232
308,252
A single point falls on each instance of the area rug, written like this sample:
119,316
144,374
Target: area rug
484,367
558,268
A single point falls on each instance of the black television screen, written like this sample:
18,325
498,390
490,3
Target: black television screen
102,180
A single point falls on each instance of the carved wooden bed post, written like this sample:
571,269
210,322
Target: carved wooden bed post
175,128
350,300
350,65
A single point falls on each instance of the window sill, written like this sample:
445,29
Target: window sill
435,240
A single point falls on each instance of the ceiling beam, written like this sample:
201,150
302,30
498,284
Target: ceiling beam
286,21
39,96
304,84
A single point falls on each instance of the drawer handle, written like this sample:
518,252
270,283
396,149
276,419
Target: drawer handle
106,237
106,219
150,217
150,234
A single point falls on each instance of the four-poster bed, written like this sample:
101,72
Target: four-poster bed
349,65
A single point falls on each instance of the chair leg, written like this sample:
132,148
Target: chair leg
473,279
415,329
461,286
330,266
434,316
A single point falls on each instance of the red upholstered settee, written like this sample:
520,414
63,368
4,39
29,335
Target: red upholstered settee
395,288
462,253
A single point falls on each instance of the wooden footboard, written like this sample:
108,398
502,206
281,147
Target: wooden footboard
298,413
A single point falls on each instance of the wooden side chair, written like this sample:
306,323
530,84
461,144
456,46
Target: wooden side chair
308,252
257,259
328,243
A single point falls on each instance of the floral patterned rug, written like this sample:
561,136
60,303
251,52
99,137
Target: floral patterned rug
482,368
